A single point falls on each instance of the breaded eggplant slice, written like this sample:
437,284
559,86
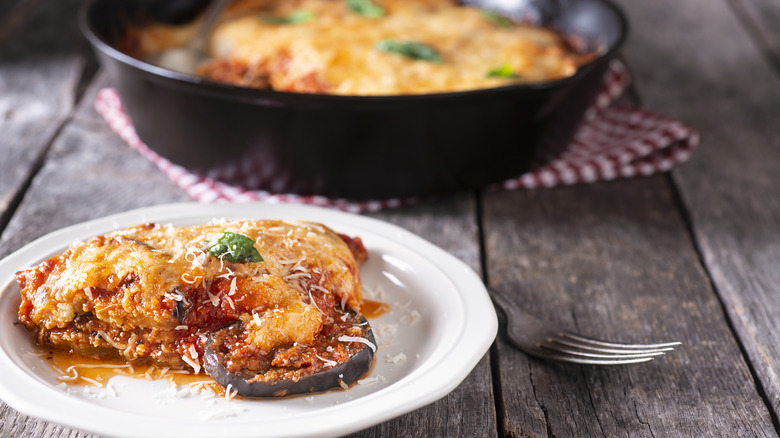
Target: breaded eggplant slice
299,369
157,293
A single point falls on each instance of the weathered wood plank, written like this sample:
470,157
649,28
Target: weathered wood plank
761,18
615,261
469,410
89,172
42,61
715,78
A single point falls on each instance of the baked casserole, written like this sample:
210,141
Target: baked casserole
369,47
269,308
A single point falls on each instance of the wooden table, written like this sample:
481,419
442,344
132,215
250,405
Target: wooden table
691,255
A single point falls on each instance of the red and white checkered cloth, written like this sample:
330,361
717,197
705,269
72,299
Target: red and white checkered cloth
613,141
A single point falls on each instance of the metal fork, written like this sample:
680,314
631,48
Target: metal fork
540,339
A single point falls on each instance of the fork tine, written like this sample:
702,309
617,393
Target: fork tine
667,346
583,343
584,360
565,348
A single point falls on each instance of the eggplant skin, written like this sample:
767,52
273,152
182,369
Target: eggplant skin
343,374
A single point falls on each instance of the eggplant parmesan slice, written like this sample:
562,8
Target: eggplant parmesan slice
300,369
271,308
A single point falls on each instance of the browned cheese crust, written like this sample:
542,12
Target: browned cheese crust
333,49
152,293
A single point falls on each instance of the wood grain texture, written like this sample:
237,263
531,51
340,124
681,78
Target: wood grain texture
761,18
613,260
469,410
42,60
90,172
724,87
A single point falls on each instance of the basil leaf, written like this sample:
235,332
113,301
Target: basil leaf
233,247
498,20
366,8
296,17
504,71
410,49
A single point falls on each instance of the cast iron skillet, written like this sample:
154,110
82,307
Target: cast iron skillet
353,146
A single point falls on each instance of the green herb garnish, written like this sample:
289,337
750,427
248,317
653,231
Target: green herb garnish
366,8
410,49
498,20
504,71
233,247
296,17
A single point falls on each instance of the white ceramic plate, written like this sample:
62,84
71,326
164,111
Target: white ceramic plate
441,324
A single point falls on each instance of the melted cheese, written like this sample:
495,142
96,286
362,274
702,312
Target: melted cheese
336,51
154,292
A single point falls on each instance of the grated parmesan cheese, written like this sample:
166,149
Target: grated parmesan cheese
195,365
218,414
92,382
296,276
226,275
189,279
311,299
108,339
345,338
328,362
195,256
233,288
411,318
230,392
371,380
400,357
230,301
377,293
386,333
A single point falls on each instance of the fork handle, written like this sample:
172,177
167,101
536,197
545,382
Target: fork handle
510,310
